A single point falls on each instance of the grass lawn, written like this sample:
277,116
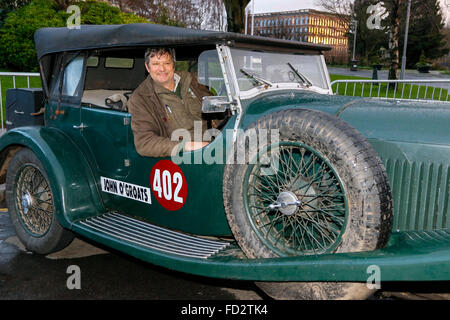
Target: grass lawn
384,90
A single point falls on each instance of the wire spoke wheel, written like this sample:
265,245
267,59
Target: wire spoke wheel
31,205
33,200
319,188
295,201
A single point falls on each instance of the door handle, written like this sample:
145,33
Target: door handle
81,126
19,112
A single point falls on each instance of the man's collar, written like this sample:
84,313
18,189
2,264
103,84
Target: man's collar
177,79
154,87
161,89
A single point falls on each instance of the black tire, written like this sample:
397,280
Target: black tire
359,218
31,205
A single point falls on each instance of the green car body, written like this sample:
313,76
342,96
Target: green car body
411,138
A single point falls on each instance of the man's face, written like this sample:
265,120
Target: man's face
161,69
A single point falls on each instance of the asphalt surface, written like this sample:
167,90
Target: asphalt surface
103,275
106,274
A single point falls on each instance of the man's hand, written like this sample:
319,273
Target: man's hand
194,145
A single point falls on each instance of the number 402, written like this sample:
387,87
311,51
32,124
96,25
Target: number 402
164,184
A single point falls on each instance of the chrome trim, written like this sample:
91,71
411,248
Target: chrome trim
153,237
326,73
251,93
226,63
81,126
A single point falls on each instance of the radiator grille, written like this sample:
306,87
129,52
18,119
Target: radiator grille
420,193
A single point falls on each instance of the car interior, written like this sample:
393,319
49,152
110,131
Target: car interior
113,74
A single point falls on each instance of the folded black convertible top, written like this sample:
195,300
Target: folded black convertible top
52,40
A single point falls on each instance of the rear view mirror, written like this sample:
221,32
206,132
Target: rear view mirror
215,104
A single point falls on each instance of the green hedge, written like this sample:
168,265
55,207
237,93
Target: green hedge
17,51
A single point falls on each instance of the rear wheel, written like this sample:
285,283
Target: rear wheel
31,205
324,190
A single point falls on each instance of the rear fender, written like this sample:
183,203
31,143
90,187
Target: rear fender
75,191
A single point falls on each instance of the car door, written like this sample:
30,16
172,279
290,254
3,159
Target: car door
105,132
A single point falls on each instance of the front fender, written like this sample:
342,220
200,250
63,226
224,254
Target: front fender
76,194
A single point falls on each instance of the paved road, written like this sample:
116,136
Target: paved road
104,275
111,275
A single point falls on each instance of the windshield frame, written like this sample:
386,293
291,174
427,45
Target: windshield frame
235,95
293,85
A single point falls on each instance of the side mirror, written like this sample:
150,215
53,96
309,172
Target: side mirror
215,104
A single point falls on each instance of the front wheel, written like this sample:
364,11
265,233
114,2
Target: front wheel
31,205
320,189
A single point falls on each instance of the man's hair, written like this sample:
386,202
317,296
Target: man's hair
158,52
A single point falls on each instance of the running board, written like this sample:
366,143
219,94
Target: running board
137,232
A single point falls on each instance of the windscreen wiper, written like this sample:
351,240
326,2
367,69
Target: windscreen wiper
256,78
302,77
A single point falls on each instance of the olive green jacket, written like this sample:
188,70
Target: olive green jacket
156,112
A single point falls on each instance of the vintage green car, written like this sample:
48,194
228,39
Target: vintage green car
309,194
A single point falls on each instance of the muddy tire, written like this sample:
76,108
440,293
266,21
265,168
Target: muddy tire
31,205
322,189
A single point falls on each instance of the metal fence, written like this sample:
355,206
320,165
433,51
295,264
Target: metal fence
6,77
415,90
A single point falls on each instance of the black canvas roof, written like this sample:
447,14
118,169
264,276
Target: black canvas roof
52,40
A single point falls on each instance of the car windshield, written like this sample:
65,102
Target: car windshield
257,68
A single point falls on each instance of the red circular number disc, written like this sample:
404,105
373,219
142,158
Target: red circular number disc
168,185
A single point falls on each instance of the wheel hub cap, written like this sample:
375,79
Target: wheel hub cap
27,202
287,203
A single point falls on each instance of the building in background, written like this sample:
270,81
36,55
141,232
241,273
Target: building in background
305,25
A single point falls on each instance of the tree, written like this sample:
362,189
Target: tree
426,32
369,40
16,36
62,4
142,8
212,14
17,51
93,12
170,12
196,14
425,29
7,6
236,14
344,9
394,7
13,4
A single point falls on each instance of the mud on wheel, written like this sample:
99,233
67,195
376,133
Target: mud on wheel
320,189
31,205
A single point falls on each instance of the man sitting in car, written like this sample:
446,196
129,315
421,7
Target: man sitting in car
165,101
